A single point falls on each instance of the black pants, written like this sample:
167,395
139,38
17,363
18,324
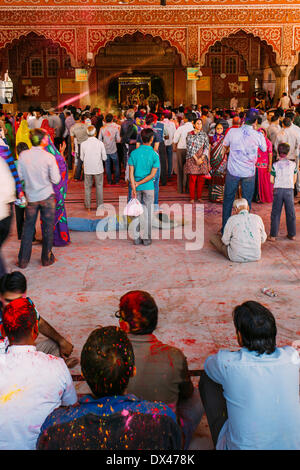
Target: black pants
163,163
214,405
4,232
79,166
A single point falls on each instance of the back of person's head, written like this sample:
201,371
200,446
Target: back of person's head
130,114
107,361
189,117
146,135
149,119
204,111
257,327
280,111
168,115
91,131
287,122
21,147
275,117
181,109
19,318
289,114
284,94
259,120
36,136
109,117
13,282
251,116
241,203
139,310
77,116
235,121
283,149
68,113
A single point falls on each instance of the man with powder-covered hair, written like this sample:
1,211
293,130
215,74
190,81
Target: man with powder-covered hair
243,235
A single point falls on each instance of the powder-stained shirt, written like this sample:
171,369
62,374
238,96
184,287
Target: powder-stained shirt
244,143
160,369
93,155
284,171
110,135
124,430
39,171
262,397
79,130
243,235
32,385
106,406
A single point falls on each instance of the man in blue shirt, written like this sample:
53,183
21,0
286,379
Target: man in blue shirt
251,396
243,143
107,364
143,164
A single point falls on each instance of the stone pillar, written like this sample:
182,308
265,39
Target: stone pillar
282,73
191,92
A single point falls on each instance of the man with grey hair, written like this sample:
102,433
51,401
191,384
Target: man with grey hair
243,235
93,155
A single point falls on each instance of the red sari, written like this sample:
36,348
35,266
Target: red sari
265,187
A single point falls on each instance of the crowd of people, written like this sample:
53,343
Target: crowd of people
142,396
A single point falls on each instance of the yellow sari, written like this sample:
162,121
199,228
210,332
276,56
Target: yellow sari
23,134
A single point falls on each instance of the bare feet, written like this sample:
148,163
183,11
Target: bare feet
271,239
291,238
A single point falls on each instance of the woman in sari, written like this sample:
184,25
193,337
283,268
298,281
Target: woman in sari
218,163
197,160
264,187
61,231
22,134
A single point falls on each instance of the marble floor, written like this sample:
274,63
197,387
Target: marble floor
195,290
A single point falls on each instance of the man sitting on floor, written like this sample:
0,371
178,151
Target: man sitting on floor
109,418
162,370
32,384
243,235
14,286
251,396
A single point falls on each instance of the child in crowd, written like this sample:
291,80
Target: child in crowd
284,176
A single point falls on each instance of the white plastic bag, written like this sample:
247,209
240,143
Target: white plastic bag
134,208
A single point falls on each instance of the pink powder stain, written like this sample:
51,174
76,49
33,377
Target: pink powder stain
189,342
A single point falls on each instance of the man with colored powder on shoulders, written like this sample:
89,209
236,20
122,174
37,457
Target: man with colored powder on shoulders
109,418
32,384
243,235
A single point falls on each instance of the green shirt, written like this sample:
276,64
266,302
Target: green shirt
143,160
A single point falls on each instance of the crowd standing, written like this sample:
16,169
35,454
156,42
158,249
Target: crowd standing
141,392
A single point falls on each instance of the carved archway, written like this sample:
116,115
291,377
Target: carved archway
65,38
174,37
269,36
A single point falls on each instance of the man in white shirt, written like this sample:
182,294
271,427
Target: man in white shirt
267,122
288,136
32,384
180,143
36,123
7,195
93,155
170,129
39,171
243,235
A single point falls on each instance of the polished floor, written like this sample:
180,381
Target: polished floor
195,290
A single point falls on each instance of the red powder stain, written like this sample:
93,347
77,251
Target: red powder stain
221,303
297,332
189,341
83,299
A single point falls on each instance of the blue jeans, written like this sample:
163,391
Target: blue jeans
47,214
231,186
106,224
112,158
156,188
169,150
283,196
